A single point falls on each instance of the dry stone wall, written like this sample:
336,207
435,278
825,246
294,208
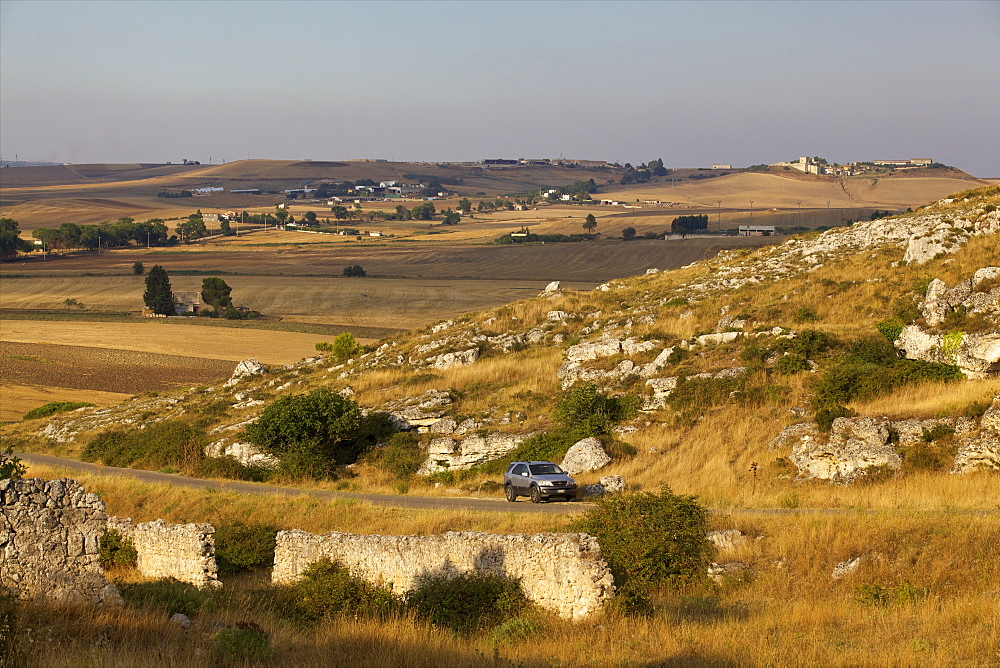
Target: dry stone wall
185,552
49,533
561,572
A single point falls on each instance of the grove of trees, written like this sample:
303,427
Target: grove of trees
10,241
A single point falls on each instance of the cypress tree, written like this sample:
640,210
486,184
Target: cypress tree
158,296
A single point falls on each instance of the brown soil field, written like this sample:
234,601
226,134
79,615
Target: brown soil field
154,336
16,400
33,370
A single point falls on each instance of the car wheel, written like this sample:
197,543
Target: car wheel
536,495
508,491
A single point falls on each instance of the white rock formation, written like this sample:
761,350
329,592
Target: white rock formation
246,369
459,358
585,455
855,446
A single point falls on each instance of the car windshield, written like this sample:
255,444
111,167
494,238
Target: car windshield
542,469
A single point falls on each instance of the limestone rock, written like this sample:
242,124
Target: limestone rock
459,358
727,540
718,572
246,369
452,454
245,453
854,448
181,620
184,552
443,426
845,568
551,289
613,483
978,454
585,455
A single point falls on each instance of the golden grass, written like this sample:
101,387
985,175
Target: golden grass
786,610
16,400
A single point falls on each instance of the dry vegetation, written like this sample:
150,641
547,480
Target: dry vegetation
925,596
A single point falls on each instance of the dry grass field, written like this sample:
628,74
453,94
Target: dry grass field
771,191
926,595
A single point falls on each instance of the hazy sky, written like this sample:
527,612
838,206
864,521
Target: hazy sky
693,83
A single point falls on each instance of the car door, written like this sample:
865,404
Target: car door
520,478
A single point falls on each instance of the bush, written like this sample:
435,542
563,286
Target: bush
805,314
170,443
327,589
402,456
10,467
890,329
246,642
116,551
515,630
354,270
872,593
167,595
468,603
54,407
791,364
241,547
318,426
588,412
826,416
650,541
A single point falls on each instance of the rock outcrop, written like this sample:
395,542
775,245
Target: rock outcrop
976,353
584,456
855,447
456,454
244,370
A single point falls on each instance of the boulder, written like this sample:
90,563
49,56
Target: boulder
978,454
460,358
443,426
845,568
585,455
451,454
727,540
613,483
246,369
551,289
855,447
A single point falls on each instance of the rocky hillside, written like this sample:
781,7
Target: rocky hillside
775,355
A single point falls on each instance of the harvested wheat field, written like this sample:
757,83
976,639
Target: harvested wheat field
36,373
155,336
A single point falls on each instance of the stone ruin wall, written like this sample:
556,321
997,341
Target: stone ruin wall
561,572
185,552
49,533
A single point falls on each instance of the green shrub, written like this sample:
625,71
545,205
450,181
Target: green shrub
810,344
975,410
354,269
791,364
650,541
10,467
116,551
315,432
871,367
924,457
872,593
515,630
890,329
467,603
826,416
328,589
168,443
168,596
402,456
246,642
241,547
589,412
936,433
54,407
805,314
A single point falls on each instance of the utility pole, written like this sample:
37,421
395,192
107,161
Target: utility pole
720,215
751,212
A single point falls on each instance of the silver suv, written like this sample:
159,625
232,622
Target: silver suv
538,480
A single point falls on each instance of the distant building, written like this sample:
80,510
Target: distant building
499,161
246,191
187,303
757,230
722,166
210,217
913,162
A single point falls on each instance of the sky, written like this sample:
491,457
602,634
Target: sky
693,83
